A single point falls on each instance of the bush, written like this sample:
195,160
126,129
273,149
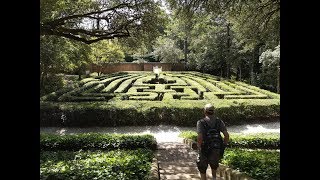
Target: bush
95,141
113,165
50,84
262,165
253,141
173,112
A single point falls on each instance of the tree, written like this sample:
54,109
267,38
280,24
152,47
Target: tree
60,55
104,52
271,63
91,21
167,51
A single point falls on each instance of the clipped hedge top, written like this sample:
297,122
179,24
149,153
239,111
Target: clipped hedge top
118,84
257,140
96,141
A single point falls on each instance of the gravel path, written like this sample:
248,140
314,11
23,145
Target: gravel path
162,133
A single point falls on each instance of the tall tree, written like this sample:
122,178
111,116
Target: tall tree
271,65
105,52
91,21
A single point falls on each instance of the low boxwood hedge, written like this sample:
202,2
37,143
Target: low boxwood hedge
238,140
172,112
262,164
95,141
99,165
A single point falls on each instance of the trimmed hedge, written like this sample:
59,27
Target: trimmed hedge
206,84
84,106
115,84
253,141
95,141
262,165
126,85
173,112
113,165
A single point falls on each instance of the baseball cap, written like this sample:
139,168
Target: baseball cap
209,108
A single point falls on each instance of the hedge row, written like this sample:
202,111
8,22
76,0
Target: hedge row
194,84
113,165
55,95
253,141
271,94
115,84
173,112
262,165
205,84
95,141
126,85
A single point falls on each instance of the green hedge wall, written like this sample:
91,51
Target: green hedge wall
253,141
173,112
95,141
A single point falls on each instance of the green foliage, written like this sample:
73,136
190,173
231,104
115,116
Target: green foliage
107,52
100,165
117,113
167,51
264,165
238,140
51,84
95,141
127,99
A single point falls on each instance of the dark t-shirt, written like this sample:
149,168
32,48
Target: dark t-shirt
211,122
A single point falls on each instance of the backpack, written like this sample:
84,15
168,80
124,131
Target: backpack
212,138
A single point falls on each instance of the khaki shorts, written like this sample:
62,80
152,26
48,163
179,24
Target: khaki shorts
212,159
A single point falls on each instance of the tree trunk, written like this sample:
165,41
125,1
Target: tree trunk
42,80
228,51
251,69
185,49
240,73
278,80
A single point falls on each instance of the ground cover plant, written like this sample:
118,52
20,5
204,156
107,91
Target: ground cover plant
256,154
96,156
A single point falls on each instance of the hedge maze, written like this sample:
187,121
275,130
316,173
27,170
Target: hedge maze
141,98
169,86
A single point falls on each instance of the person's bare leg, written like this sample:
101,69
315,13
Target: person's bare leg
214,174
203,176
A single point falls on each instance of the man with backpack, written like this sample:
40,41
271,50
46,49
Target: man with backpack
210,143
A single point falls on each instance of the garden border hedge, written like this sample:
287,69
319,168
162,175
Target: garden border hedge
170,112
95,141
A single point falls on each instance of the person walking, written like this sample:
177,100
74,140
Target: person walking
210,144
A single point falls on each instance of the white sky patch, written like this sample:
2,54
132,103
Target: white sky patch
164,6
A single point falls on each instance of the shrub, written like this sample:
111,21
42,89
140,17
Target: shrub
95,141
113,165
126,85
262,165
253,141
120,113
